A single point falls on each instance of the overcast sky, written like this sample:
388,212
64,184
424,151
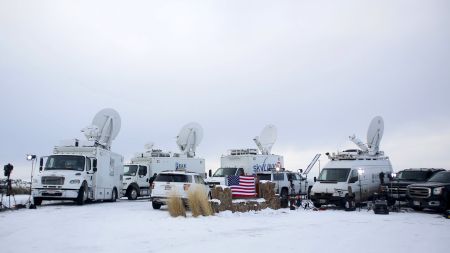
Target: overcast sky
318,70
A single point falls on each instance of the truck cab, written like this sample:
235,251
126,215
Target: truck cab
136,181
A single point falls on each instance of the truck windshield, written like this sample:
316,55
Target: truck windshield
264,176
334,174
173,178
413,175
223,172
65,162
441,177
130,170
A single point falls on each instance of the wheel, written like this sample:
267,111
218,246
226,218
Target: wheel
284,198
82,195
113,195
156,205
132,193
37,201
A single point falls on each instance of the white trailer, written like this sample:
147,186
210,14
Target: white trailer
83,170
143,166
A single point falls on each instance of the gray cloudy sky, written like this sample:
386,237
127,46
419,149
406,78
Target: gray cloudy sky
319,70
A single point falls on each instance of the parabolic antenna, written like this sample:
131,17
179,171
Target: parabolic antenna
105,127
375,133
266,139
189,138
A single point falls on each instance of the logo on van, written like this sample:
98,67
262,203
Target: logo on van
180,166
263,167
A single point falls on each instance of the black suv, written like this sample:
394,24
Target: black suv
434,194
396,189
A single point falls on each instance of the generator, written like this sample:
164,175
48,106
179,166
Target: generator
380,207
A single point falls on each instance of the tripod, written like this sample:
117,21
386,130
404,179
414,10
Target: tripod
9,192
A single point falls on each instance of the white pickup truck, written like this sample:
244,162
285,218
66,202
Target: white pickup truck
286,183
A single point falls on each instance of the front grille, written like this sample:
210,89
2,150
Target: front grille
397,190
419,192
323,195
53,180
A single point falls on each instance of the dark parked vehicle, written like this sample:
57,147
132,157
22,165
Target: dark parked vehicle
434,194
396,188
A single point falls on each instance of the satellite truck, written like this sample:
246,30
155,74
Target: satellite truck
83,170
353,173
137,173
248,161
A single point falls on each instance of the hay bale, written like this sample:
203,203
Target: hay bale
198,202
175,205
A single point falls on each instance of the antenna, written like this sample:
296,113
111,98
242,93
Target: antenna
105,127
374,134
311,165
266,139
189,138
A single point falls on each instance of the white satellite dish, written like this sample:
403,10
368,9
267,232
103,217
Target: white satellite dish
189,138
374,134
266,139
105,127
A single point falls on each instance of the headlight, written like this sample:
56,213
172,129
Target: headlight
437,190
75,181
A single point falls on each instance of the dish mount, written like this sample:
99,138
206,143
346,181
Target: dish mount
104,128
374,135
189,138
266,139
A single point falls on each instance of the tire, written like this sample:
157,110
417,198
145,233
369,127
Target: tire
284,198
82,195
37,201
156,205
132,193
113,195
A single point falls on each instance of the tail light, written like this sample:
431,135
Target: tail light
186,187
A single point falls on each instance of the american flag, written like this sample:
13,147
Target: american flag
242,186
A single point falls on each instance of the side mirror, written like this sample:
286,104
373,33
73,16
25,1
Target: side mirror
94,165
301,171
315,179
210,173
41,163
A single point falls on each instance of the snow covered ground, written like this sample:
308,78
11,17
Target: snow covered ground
133,226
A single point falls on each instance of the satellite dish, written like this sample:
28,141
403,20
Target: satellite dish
189,138
266,139
375,133
105,127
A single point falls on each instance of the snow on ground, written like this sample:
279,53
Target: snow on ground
13,200
133,226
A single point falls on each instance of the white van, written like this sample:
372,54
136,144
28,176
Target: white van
338,177
354,173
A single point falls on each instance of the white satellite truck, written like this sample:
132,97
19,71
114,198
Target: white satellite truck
248,161
83,170
354,172
137,173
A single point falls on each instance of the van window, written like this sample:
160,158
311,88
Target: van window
173,178
334,174
353,176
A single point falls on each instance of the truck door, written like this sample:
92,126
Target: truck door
89,174
142,180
